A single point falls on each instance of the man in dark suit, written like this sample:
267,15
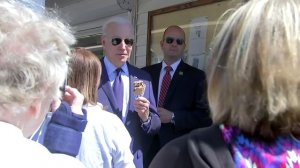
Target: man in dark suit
180,90
138,113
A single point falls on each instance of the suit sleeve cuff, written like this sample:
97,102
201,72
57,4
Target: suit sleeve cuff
65,117
146,125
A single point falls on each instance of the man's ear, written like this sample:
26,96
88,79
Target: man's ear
103,41
161,43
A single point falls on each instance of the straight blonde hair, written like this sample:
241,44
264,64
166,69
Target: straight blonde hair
254,79
85,74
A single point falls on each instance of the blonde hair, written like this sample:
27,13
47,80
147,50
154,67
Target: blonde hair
85,74
254,79
33,54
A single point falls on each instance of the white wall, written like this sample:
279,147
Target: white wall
93,27
144,6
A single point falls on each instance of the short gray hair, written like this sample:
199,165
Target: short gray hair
116,20
33,51
254,80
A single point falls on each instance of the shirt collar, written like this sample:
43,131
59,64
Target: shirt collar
110,68
174,65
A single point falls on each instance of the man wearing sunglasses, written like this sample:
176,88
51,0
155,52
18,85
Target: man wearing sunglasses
179,89
116,91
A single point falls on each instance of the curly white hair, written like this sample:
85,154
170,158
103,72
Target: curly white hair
34,48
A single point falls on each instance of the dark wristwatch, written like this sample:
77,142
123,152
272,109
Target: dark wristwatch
173,119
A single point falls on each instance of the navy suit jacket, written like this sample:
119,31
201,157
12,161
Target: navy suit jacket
141,135
186,97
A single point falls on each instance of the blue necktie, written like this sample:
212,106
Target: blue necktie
118,91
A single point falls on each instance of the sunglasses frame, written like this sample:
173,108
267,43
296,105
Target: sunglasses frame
116,41
170,40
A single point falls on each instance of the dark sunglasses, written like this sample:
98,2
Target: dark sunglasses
170,40
117,41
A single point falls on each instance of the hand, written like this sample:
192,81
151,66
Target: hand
164,115
141,106
74,98
54,105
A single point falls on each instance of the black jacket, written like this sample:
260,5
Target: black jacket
202,148
186,97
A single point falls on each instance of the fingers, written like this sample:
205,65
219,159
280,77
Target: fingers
72,94
74,98
141,105
141,108
143,99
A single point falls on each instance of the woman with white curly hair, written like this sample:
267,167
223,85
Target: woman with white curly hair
33,54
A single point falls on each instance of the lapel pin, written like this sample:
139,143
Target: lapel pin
181,73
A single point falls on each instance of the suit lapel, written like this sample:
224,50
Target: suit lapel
105,85
155,80
132,78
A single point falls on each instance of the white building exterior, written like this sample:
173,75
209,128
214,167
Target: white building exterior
88,16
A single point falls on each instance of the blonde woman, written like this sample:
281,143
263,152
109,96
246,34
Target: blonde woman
253,92
105,141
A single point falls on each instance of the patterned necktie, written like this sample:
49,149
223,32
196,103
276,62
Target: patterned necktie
164,86
118,91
